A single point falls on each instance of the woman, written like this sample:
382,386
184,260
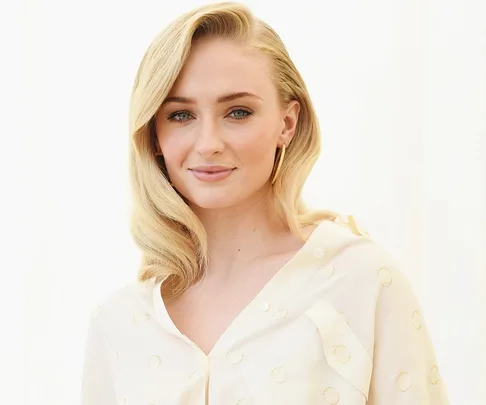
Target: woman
245,296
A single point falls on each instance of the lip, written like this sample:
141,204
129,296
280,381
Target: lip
211,173
211,168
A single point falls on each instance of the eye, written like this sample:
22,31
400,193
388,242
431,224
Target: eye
179,116
240,114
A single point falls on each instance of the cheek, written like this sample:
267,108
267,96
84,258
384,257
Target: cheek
174,150
257,153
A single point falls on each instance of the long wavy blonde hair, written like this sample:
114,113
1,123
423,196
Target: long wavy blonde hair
172,239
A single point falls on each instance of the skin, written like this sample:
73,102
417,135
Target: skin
247,242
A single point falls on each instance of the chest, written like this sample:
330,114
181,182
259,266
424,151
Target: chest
207,310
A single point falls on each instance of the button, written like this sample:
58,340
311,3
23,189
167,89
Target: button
342,354
331,396
282,313
154,361
417,320
434,375
265,306
404,382
235,357
384,276
318,253
278,374
243,401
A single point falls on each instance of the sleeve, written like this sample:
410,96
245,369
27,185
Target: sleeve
405,370
97,381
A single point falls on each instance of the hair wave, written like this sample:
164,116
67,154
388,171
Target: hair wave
172,239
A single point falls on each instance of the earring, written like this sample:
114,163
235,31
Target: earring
280,160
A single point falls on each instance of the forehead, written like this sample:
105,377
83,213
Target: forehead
217,65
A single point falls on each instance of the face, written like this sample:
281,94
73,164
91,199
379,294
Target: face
221,124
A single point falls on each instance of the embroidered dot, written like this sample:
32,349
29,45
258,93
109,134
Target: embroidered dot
331,396
328,270
318,253
434,375
236,357
265,307
416,319
404,382
341,353
280,314
140,317
154,361
278,374
384,276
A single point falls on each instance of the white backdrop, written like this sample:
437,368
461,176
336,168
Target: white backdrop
400,88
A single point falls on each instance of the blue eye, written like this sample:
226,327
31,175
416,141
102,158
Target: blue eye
179,116
240,114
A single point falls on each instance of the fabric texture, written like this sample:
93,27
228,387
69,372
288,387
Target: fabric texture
338,324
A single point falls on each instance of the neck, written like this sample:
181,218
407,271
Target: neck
237,235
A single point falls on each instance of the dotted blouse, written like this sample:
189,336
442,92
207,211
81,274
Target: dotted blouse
338,324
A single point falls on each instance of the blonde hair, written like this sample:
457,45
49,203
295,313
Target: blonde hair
172,239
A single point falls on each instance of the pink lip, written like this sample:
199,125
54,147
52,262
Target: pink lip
211,173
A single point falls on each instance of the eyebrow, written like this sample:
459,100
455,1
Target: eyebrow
222,99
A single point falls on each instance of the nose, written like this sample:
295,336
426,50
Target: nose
209,139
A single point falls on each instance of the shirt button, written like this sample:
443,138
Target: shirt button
342,354
243,401
318,253
235,357
404,382
278,374
331,396
265,306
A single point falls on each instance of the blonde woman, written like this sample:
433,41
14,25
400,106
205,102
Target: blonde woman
244,295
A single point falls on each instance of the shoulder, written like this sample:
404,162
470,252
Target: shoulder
359,266
129,303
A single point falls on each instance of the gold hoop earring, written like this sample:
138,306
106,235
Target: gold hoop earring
280,160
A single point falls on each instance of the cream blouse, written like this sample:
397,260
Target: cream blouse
338,324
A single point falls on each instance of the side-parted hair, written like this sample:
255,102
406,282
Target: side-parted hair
172,239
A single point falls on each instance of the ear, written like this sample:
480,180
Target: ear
290,120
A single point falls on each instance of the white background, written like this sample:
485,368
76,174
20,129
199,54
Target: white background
400,89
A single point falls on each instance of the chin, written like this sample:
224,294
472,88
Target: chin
211,199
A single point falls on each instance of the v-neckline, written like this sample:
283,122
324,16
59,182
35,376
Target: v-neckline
278,285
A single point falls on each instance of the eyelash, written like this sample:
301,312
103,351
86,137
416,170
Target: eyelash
171,117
